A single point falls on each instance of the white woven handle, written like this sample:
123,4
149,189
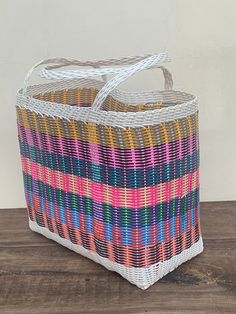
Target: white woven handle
85,73
63,62
57,63
138,63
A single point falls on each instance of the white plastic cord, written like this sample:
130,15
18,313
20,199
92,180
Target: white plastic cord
55,63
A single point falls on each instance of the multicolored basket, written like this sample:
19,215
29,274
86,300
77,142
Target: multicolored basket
109,174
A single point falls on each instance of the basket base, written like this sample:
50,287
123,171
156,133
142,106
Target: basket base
141,277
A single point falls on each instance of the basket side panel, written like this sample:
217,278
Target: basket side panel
129,195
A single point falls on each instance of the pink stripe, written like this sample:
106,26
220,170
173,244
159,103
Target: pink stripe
94,153
117,197
150,156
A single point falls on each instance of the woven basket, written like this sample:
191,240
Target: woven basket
112,175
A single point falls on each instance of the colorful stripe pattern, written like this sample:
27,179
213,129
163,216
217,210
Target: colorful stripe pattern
130,195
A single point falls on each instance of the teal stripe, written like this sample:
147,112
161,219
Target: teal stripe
117,177
121,217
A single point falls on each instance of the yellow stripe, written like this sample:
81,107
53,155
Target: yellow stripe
108,135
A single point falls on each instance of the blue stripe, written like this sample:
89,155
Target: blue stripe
125,232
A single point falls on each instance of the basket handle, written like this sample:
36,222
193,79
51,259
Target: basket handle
58,63
49,73
147,63
62,62
55,63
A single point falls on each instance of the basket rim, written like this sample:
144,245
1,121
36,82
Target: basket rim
186,105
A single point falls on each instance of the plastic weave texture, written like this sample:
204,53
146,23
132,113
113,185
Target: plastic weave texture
112,175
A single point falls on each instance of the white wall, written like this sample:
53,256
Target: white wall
200,36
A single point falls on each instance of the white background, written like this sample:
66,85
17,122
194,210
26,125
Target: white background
200,36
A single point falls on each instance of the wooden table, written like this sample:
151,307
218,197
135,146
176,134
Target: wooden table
40,276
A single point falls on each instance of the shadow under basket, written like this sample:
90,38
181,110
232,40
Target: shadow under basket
112,175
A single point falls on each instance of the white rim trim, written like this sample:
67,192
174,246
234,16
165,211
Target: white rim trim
187,105
141,277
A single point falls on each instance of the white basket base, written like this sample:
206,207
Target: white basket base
141,277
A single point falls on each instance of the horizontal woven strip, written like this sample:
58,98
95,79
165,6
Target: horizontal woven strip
110,136
122,236
116,177
118,197
127,217
104,231
112,157
128,256
111,118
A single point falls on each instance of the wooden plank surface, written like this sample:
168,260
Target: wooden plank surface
39,276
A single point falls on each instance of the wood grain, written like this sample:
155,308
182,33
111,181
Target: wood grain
38,276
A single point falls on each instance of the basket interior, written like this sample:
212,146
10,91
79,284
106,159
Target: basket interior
84,97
